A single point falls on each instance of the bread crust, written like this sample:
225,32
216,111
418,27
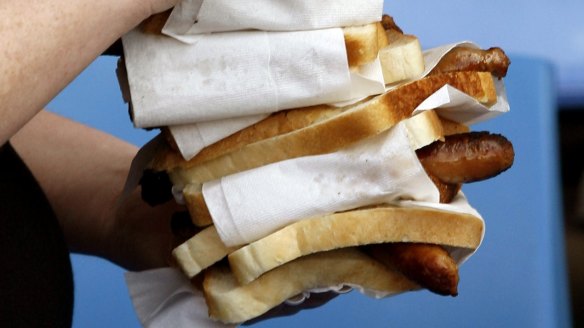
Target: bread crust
231,302
200,252
373,225
363,43
377,225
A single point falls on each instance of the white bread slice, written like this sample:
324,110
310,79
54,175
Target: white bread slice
200,252
334,129
363,43
376,225
402,59
231,302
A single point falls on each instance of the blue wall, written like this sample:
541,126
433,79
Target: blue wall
552,30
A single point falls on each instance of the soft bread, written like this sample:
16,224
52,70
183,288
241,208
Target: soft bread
402,59
363,43
231,302
382,224
200,252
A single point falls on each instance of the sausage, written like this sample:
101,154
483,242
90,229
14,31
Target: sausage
447,191
461,58
467,157
428,265
388,23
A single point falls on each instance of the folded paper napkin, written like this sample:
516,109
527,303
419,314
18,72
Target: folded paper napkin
454,105
191,17
252,204
165,297
192,138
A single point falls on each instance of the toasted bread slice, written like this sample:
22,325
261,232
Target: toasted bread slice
200,252
402,59
363,43
230,302
375,225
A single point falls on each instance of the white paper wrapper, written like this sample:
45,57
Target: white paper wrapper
236,74
191,17
165,298
192,138
250,205
452,103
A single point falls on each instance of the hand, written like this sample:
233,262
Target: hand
140,236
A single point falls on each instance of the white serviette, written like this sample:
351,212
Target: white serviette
165,298
192,138
236,74
453,104
252,204
200,16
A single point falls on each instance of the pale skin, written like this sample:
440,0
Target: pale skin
45,45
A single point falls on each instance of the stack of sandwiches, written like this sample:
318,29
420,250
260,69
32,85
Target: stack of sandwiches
362,193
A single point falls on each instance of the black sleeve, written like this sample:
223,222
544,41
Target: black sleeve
36,281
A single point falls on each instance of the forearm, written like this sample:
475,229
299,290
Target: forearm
47,43
82,172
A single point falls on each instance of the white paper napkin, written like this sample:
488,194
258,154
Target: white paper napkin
192,138
191,17
452,103
252,204
227,81
165,298
228,75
